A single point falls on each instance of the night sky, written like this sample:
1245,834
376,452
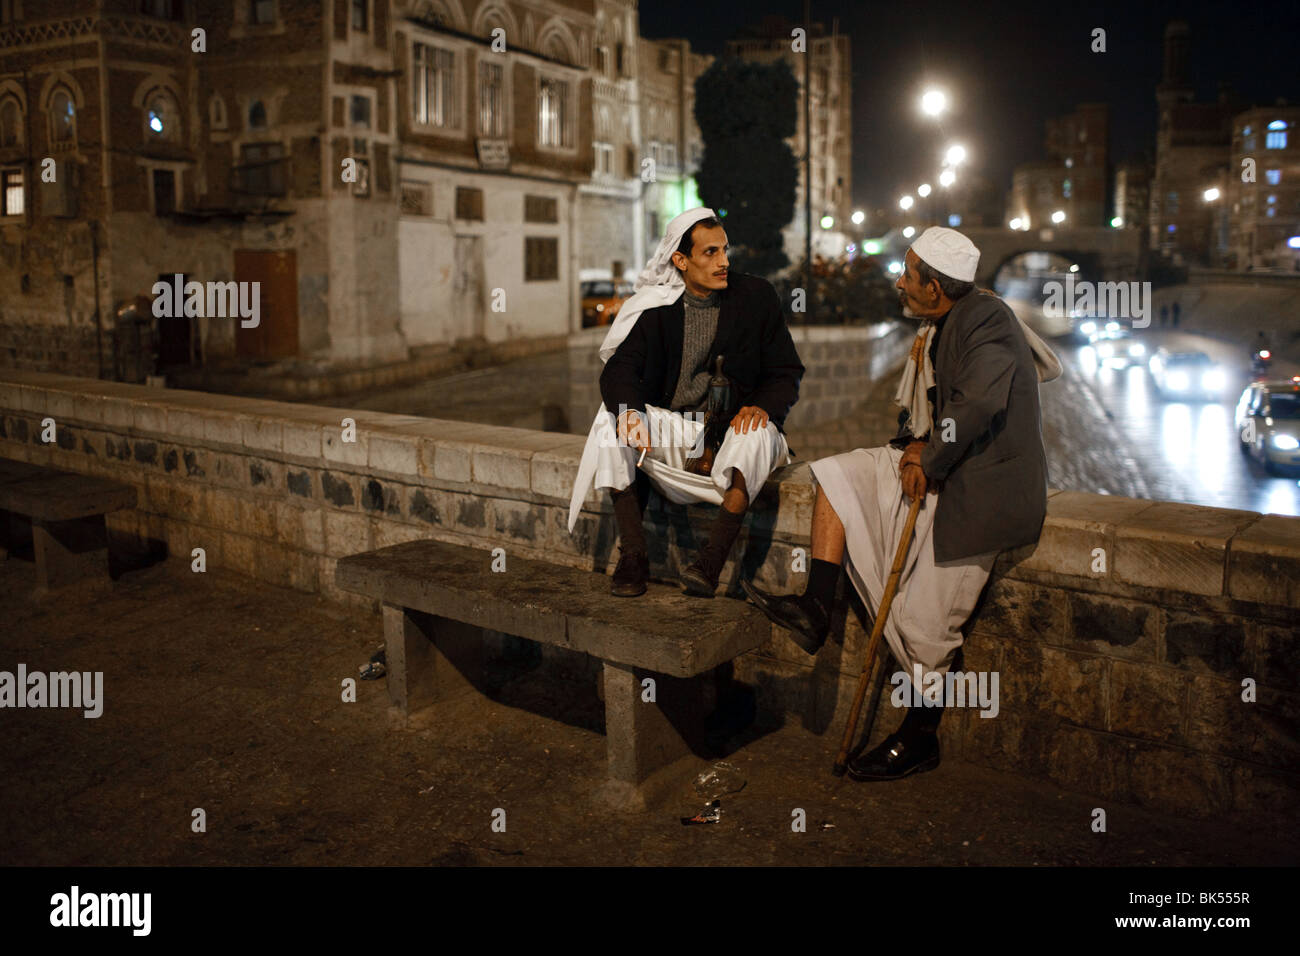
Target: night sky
1009,66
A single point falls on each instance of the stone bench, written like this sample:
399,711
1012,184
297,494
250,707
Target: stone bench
438,597
69,536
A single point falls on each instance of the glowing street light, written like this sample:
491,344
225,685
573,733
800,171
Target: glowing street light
1211,194
1117,222
858,216
827,222
1015,223
909,232
905,202
947,178
1058,217
895,267
934,102
923,190
956,155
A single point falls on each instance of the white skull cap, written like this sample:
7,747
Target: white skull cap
948,251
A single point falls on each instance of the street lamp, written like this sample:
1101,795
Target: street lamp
909,232
956,155
1015,223
827,222
947,178
1058,217
858,216
923,190
1211,194
934,102
905,202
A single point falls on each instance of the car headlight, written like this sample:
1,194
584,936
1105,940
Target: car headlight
1212,381
1285,442
1105,350
1177,381
1088,328
1137,348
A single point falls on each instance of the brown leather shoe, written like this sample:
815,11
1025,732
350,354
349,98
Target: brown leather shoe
631,574
700,577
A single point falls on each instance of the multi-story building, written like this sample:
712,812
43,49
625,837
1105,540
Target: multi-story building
1132,194
1263,215
1193,142
672,147
1071,182
611,202
392,173
830,111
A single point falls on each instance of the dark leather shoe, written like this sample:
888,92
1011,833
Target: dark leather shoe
631,574
700,577
897,757
804,618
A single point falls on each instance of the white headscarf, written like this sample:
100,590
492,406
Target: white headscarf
658,284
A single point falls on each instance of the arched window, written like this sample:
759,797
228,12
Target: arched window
217,112
161,117
257,116
63,118
11,123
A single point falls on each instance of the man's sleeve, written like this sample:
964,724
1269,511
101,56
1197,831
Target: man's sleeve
779,367
620,381
980,390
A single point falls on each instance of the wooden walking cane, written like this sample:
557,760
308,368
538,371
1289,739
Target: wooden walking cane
842,761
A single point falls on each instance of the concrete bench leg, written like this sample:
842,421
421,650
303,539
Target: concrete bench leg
69,553
429,659
649,744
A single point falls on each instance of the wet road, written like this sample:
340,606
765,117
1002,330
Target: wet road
1108,431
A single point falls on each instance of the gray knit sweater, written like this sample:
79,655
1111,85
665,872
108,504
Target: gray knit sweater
692,392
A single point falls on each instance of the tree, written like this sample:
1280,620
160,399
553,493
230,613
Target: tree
745,112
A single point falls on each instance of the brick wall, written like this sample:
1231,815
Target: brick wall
1124,680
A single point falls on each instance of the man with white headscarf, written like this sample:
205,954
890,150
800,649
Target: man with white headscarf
970,443
687,309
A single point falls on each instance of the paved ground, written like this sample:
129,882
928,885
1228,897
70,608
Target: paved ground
223,693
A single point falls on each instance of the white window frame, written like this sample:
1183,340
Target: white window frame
504,67
459,97
568,125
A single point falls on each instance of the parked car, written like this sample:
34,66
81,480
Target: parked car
1186,375
1268,423
601,300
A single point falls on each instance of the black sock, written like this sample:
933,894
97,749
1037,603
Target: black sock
722,535
822,579
628,511
920,720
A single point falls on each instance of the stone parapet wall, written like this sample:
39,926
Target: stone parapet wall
839,362
1122,638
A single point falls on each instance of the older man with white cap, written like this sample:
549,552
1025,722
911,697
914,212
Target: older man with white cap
688,309
970,443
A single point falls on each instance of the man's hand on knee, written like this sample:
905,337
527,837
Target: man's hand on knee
910,471
749,418
632,429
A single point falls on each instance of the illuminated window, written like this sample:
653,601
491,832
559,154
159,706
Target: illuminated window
491,99
161,120
11,192
434,96
1275,140
554,128
1273,176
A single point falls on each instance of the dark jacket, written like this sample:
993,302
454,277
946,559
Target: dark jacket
760,357
993,465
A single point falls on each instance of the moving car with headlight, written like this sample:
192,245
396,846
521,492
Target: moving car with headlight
1115,346
1268,423
1184,376
601,300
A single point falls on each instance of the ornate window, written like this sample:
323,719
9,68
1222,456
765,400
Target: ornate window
63,119
161,117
